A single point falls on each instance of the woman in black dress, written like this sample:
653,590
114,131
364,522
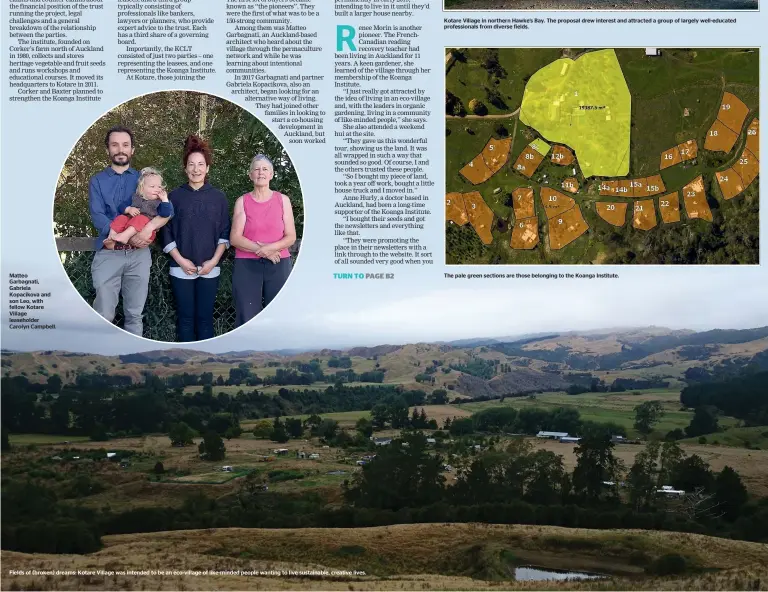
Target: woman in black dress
196,238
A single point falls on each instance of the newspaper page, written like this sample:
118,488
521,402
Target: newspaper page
383,295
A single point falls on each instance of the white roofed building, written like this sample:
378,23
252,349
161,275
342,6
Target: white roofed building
552,435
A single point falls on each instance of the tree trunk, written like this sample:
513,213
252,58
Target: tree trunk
202,121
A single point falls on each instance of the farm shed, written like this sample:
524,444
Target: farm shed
552,435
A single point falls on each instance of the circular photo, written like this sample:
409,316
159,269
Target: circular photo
178,216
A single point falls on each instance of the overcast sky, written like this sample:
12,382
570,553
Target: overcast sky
691,298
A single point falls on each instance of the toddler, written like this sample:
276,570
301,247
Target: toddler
150,200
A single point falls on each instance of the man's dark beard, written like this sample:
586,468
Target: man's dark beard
114,159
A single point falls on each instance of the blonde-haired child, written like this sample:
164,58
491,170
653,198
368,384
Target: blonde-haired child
149,201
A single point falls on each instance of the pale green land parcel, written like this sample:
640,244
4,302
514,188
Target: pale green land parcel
585,104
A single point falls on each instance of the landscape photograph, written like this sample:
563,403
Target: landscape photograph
643,156
630,458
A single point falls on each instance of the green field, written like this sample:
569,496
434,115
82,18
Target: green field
584,104
754,437
674,98
608,407
540,146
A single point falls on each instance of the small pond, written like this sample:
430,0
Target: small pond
537,574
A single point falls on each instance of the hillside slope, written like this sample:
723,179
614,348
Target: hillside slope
417,556
528,365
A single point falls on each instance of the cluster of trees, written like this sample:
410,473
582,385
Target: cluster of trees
296,373
286,376
282,430
407,474
438,397
647,414
495,98
479,367
340,362
153,407
428,376
742,397
710,494
306,373
726,369
703,422
453,105
212,446
477,107
241,374
394,413
40,524
590,384
489,58
462,245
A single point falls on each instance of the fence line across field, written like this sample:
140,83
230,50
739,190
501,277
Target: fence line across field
77,253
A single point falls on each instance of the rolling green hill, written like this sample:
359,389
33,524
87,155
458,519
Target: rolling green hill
638,358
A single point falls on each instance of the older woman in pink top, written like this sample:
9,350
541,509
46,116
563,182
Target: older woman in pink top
262,230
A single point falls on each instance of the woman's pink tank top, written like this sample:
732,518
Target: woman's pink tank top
263,223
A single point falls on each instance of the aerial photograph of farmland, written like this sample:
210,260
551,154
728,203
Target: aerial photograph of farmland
607,459
602,156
